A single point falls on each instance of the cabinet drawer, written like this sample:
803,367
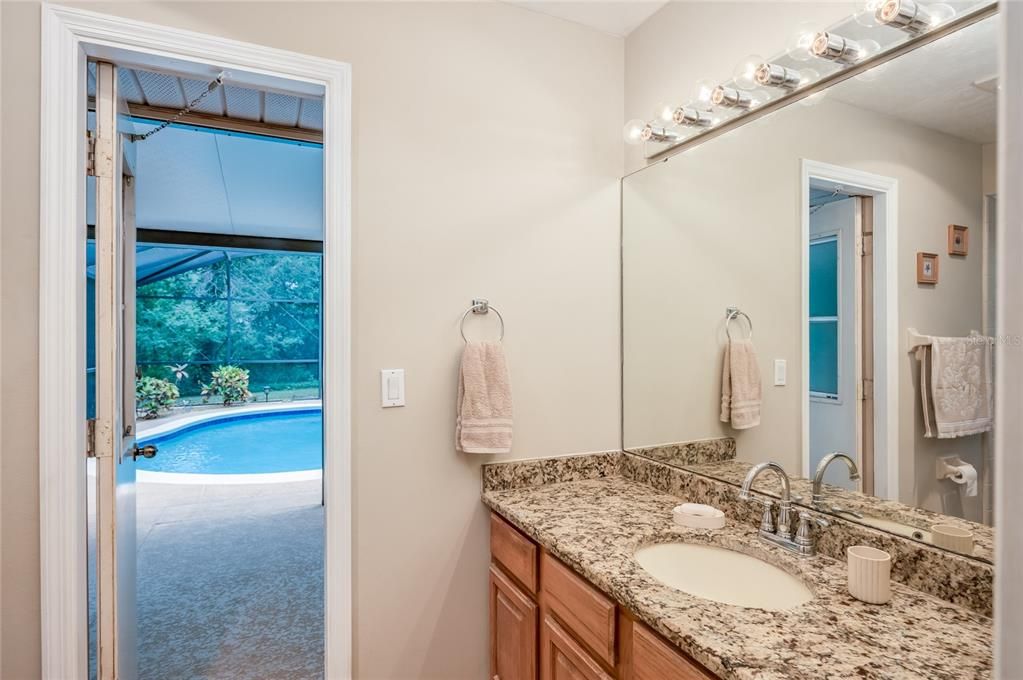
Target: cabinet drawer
562,658
516,553
585,611
653,659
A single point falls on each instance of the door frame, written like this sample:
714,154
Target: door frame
885,191
69,37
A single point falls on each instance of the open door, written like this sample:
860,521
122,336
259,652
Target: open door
114,430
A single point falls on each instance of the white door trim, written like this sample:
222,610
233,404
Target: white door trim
1008,355
68,37
886,308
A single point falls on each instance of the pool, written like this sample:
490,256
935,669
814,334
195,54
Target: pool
243,444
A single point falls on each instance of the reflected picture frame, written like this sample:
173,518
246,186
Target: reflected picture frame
958,240
927,268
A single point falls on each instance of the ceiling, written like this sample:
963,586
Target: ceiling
934,86
167,91
616,17
210,181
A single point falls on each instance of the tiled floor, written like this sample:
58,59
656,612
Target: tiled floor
230,581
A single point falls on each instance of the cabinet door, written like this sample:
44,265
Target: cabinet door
512,630
652,659
562,658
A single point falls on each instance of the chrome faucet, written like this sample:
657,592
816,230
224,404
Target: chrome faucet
780,533
818,483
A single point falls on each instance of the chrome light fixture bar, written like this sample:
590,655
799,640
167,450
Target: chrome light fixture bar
834,47
923,25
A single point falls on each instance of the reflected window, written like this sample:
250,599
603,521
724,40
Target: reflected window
824,305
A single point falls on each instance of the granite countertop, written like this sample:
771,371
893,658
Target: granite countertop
734,471
596,525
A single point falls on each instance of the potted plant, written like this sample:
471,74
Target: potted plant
154,396
230,383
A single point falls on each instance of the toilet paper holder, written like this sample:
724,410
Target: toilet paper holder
948,468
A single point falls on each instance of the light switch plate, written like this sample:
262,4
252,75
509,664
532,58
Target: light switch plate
392,387
780,372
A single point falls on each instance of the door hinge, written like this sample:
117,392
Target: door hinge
90,154
866,389
867,245
99,155
90,438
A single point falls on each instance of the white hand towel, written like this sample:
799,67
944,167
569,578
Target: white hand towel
484,410
741,393
961,389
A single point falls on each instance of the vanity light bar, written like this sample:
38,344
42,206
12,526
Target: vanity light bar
777,76
908,15
731,98
687,115
835,48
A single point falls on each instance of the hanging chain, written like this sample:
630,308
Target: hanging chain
214,84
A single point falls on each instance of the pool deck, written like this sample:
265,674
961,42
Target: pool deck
230,581
230,575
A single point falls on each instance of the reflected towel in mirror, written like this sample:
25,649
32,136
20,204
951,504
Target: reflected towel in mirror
955,386
741,392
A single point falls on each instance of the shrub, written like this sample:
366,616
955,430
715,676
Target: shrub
231,383
153,396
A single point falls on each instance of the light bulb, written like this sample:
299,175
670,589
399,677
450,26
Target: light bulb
634,131
911,16
867,15
664,112
731,98
800,40
833,47
775,75
704,91
745,71
689,115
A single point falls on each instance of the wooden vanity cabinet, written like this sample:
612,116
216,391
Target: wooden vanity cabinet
513,618
549,623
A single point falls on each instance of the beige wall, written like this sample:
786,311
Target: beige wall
487,152
719,225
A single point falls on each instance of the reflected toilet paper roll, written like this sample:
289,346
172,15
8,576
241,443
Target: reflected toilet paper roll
966,475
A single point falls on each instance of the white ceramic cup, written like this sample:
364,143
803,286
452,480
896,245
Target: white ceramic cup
951,537
870,574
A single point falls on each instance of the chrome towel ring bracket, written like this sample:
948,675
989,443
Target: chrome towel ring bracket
481,306
733,313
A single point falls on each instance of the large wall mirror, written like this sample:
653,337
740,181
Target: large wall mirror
822,280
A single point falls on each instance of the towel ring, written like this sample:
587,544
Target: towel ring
733,313
481,306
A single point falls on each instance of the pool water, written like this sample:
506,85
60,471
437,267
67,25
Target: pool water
248,444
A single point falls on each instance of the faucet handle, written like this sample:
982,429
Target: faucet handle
767,519
803,532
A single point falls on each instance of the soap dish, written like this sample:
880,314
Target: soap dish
698,516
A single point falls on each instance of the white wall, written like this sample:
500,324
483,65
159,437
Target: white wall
487,152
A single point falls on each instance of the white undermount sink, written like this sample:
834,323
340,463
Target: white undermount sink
723,575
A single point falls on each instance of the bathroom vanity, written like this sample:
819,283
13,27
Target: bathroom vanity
545,615
568,599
